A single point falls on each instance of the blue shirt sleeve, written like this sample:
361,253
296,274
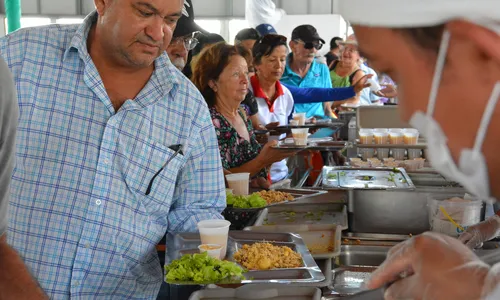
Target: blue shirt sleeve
313,95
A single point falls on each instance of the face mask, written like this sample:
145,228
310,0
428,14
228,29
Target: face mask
471,171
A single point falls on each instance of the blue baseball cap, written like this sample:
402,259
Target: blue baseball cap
264,29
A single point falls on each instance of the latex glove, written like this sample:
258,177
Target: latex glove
439,267
475,235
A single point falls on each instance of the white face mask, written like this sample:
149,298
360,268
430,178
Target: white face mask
471,171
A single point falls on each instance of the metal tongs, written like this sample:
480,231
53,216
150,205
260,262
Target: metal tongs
378,294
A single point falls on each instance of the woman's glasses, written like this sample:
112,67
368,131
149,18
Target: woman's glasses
310,45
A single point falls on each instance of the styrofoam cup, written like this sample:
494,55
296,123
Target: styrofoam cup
410,136
382,153
215,232
215,252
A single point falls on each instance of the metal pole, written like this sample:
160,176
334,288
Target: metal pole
13,15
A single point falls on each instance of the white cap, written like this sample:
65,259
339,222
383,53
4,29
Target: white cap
418,13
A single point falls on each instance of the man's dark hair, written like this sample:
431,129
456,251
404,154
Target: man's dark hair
333,42
428,38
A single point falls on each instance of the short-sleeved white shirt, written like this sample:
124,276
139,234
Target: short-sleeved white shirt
277,111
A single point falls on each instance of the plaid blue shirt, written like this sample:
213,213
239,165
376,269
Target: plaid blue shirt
79,216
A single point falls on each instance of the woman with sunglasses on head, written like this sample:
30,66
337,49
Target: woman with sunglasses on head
221,75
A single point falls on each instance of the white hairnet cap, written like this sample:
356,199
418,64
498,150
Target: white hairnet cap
418,13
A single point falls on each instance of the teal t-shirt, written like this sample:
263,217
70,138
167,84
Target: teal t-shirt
317,77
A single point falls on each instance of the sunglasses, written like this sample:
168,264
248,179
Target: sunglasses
310,45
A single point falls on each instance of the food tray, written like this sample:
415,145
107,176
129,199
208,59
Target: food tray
331,124
187,243
350,280
305,214
366,178
271,292
323,241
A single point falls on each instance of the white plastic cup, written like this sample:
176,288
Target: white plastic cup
398,154
366,153
300,117
396,136
410,136
374,85
215,232
300,136
366,136
414,153
294,122
464,212
382,153
239,183
381,136
213,250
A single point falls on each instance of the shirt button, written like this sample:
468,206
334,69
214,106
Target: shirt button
87,245
98,202
76,283
106,161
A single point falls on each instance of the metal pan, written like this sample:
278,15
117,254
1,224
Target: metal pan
187,243
323,241
305,214
366,178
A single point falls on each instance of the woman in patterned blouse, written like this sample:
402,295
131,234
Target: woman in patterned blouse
221,75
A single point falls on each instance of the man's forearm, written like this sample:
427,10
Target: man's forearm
15,280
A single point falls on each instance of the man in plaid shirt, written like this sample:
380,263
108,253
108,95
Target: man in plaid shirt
102,111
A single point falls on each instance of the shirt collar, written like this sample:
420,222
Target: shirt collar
313,70
259,93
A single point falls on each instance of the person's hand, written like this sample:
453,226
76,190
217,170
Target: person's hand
362,83
439,267
272,125
260,182
475,235
269,155
388,91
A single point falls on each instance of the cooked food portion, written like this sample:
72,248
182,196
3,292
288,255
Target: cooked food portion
265,256
272,197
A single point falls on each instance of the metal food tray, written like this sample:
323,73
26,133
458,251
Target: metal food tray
187,243
271,292
305,214
332,124
366,178
323,241
350,280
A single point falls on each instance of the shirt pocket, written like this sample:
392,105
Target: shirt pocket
142,162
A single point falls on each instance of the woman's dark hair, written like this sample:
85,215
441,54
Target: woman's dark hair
210,63
428,38
266,45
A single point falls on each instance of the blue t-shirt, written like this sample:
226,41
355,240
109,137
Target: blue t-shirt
318,76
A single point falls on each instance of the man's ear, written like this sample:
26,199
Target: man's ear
101,6
484,38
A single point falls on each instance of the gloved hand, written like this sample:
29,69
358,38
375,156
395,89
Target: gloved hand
475,235
437,267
